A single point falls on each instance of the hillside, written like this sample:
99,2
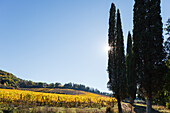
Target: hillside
10,81
55,90
59,91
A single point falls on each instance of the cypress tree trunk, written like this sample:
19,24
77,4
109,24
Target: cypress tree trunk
149,105
119,104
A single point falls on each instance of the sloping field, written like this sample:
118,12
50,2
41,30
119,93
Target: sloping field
16,97
56,90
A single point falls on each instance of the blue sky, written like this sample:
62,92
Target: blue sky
60,40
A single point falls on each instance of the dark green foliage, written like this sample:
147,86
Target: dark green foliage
8,80
51,85
138,36
164,93
76,86
167,42
131,76
40,84
120,60
121,87
148,47
81,87
68,85
111,53
168,27
57,84
167,47
116,62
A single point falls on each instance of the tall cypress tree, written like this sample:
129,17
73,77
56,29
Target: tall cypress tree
116,61
120,93
131,76
138,35
148,47
111,55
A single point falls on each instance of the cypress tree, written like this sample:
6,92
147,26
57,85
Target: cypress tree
131,77
120,93
111,55
148,47
116,61
138,35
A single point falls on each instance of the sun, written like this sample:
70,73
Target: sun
107,48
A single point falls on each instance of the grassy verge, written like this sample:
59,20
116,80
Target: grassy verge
141,108
46,109
136,108
6,108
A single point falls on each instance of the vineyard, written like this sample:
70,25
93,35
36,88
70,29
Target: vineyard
30,98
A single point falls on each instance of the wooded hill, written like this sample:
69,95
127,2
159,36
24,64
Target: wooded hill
10,81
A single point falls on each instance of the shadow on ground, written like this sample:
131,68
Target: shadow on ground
142,109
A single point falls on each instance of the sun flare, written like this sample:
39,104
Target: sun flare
107,48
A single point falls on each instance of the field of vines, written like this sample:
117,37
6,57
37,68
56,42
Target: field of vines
30,98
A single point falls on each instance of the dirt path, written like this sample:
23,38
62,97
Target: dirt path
142,109
135,109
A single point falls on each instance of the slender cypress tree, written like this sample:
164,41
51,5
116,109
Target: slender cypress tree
116,62
148,47
111,52
131,76
138,35
120,93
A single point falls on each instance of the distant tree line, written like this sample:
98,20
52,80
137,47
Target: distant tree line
30,84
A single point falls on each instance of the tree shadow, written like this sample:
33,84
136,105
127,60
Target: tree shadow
142,109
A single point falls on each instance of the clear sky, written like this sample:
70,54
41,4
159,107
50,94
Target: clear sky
60,40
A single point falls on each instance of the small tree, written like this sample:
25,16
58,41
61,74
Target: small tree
51,85
40,85
68,85
57,84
